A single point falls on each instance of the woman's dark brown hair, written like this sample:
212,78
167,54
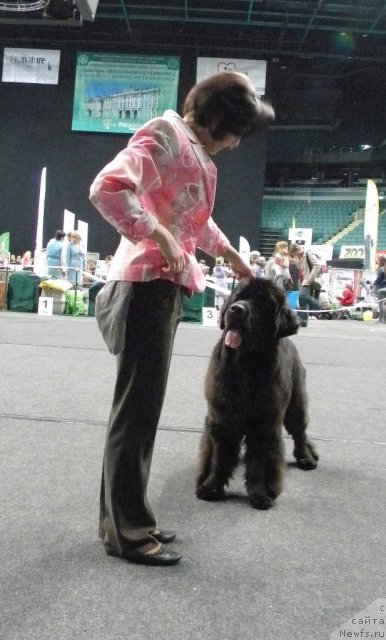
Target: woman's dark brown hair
225,103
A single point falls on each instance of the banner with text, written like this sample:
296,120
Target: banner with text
4,242
255,69
118,93
300,235
35,66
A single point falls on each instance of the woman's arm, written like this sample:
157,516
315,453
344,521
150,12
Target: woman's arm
239,267
170,249
135,171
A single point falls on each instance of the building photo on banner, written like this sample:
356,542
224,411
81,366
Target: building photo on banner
118,93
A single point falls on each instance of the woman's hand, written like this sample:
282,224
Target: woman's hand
239,267
170,249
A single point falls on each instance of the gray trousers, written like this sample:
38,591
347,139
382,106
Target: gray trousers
126,518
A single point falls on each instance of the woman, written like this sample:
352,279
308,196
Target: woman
282,276
159,193
26,260
53,254
220,279
75,259
310,280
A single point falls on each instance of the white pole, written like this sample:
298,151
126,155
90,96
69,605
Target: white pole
39,262
42,197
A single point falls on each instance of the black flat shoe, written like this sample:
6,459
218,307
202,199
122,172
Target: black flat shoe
163,536
160,558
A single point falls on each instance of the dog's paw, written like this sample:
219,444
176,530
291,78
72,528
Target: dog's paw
307,464
307,460
210,494
261,502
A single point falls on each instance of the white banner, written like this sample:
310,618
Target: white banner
254,69
244,249
371,224
42,198
68,221
83,230
300,235
36,66
323,251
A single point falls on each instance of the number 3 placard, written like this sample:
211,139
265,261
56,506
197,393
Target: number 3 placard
209,316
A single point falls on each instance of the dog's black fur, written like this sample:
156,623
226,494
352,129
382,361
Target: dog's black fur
255,384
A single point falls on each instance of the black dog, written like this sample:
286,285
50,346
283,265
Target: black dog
255,384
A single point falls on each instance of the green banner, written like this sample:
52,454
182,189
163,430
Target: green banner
4,242
118,93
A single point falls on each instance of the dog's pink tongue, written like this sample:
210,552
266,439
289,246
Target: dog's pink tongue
232,339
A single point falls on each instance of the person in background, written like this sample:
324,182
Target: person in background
253,257
293,266
26,260
327,302
348,297
159,194
380,287
259,267
220,274
75,259
310,280
103,267
204,267
280,266
53,254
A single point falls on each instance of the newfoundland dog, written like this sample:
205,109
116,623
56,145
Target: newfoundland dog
255,384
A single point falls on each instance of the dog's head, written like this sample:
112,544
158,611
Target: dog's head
256,313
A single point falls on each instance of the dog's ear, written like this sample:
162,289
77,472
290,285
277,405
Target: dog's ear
287,323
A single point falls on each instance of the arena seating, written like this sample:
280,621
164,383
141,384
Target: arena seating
355,236
325,217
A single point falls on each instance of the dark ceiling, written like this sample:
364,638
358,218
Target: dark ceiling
326,59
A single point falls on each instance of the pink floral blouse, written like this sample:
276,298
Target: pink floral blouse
163,175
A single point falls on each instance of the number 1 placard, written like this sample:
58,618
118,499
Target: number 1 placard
46,306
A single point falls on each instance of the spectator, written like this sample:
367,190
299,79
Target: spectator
347,298
310,279
278,268
380,288
26,260
259,267
103,267
53,254
204,267
220,274
294,269
75,259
